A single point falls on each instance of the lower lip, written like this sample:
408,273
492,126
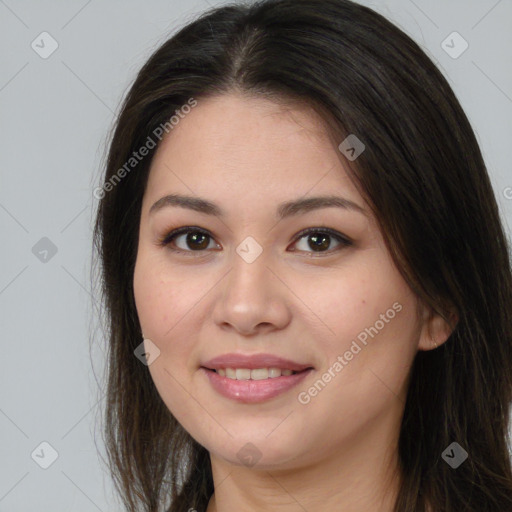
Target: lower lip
254,391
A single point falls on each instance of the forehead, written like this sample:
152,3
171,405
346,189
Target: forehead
249,147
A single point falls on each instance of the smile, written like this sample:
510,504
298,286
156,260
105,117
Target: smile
256,374
242,387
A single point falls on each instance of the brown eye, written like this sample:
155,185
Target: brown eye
319,240
197,240
191,239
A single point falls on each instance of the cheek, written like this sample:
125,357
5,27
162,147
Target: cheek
160,297
161,303
371,316
169,302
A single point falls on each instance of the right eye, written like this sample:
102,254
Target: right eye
196,238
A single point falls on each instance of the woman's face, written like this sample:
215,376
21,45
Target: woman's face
252,285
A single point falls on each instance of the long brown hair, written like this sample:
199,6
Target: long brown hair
424,177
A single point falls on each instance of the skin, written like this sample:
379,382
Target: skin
338,451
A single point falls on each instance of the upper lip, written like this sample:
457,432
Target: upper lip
253,362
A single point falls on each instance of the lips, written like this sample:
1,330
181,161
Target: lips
253,362
253,391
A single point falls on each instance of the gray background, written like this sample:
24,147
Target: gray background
55,116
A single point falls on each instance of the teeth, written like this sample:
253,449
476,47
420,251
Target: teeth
242,374
256,374
274,372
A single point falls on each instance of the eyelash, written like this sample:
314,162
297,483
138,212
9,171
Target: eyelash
171,236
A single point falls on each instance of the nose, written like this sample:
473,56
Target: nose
251,299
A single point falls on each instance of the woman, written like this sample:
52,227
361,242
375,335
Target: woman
306,279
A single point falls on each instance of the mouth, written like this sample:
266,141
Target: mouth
253,378
264,365
255,373
253,385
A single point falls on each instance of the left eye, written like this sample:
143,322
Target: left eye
197,239
318,239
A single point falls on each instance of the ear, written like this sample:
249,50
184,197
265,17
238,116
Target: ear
435,329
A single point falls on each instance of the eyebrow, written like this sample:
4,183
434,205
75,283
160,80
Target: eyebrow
284,210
